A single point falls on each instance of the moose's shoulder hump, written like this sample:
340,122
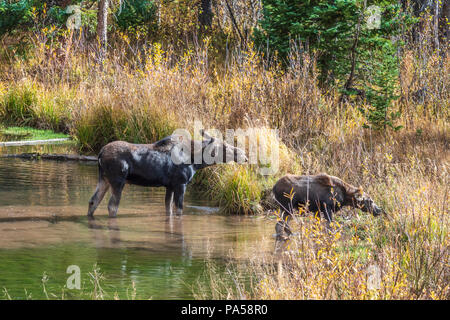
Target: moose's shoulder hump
116,146
164,144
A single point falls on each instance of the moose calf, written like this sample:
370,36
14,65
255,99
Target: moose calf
319,194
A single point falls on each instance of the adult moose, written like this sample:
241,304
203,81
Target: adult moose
170,163
319,194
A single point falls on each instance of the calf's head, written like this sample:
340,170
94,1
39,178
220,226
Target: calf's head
366,204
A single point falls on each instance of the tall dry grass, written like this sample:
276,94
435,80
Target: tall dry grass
404,257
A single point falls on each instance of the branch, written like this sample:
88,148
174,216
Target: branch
233,19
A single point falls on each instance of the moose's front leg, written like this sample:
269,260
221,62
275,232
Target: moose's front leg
328,213
178,194
283,224
169,198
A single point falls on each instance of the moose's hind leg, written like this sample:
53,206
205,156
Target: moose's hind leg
113,204
99,193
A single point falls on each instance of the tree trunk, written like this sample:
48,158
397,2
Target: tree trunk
444,28
206,14
436,25
353,51
233,19
102,24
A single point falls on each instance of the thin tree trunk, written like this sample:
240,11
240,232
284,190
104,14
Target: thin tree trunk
102,24
233,19
206,15
436,24
445,30
348,84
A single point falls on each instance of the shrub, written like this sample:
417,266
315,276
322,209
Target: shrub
17,105
26,104
101,124
236,189
137,15
14,15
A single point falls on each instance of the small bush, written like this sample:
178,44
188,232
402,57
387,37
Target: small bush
236,189
26,104
17,105
102,124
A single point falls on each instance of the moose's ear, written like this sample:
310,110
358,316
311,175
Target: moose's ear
178,138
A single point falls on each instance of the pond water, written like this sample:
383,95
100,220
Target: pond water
44,230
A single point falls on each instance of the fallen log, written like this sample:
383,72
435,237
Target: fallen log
50,156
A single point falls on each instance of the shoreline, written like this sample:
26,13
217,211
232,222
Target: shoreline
32,142
50,156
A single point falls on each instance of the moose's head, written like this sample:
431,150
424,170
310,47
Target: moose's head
218,151
366,204
206,152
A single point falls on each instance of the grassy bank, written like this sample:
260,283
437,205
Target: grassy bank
406,257
28,133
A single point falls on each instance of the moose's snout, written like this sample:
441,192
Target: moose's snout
241,159
376,210
370,206
239,156
366,204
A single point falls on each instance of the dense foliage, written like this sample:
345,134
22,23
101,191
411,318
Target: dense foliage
136,14
14,14
351,49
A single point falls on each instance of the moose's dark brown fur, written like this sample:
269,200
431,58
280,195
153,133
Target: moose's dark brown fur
322,193
156,165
